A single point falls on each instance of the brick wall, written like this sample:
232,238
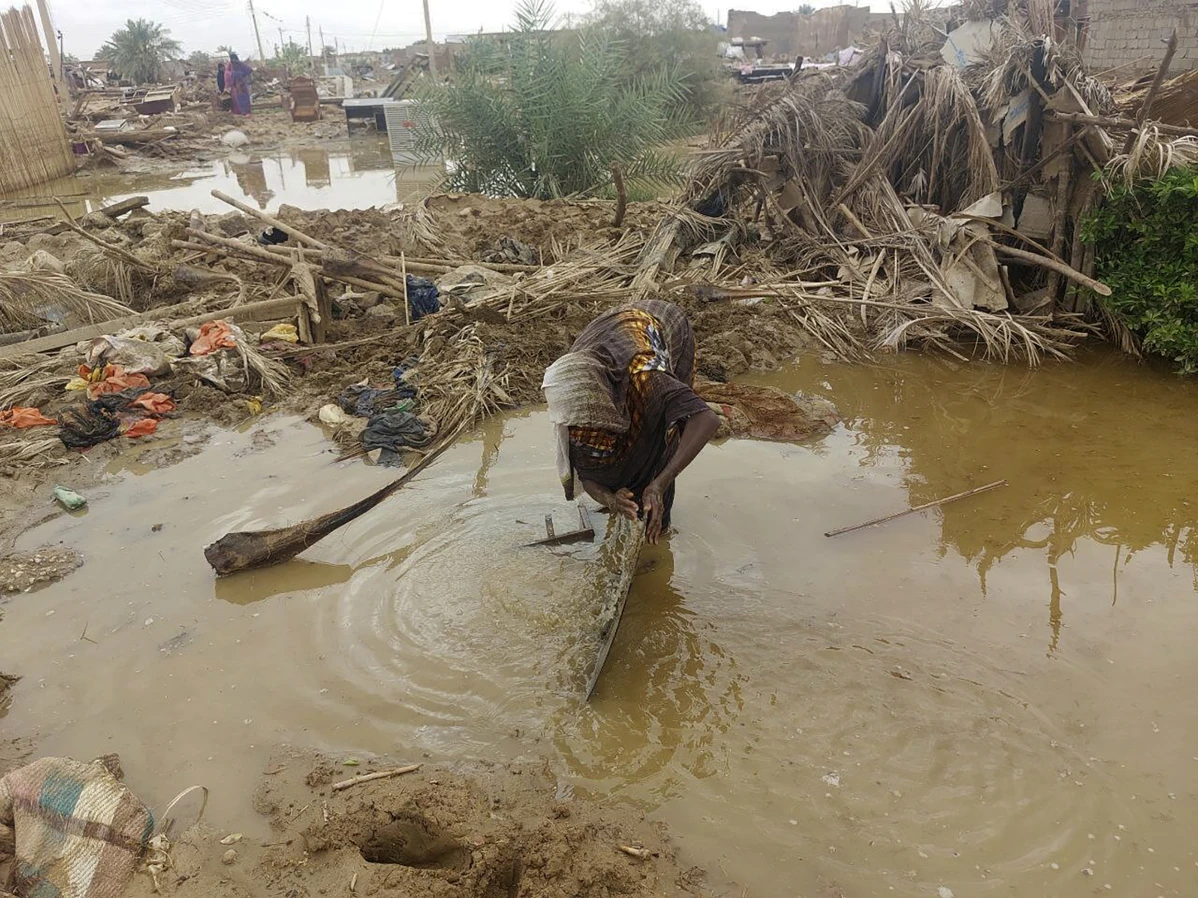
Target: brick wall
790,34
1132,33
778,29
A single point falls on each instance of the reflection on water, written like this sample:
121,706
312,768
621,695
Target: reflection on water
1099,457
874,714
358,174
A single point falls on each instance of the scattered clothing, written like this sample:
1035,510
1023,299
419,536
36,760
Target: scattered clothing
366,401
111,379
141,428
84,426
619,398
392,432
272,236
214,335
281,333
79,832
154,403
21,417
422,297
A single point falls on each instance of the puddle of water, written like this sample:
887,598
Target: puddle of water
357,174
990,697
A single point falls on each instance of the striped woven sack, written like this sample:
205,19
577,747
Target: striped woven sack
79,831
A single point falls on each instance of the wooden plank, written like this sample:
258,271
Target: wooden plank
90,332
116,210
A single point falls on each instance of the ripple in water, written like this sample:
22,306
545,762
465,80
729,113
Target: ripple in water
473,636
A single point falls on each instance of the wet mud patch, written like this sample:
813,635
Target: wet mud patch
454,831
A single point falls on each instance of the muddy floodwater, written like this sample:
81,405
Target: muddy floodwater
994,698
358,173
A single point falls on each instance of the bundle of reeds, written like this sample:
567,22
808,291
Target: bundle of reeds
33,142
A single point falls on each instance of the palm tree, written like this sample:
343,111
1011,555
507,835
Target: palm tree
138,50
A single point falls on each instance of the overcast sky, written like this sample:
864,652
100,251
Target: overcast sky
358,24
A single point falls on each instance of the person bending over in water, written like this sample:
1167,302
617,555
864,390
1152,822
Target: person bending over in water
626,419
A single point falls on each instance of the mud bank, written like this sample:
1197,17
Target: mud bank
442,831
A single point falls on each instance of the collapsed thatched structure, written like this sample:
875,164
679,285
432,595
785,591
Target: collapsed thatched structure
922,194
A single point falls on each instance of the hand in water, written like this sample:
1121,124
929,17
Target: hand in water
655,509
622,502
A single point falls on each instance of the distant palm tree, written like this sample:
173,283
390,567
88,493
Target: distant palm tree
138,50
806,9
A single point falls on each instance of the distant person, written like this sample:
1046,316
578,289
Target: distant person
220,77
237,79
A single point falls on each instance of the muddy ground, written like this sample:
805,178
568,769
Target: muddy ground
442,831
732,338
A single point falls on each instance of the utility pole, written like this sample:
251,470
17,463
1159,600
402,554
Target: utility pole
280,40
257,35
323,60
311,59
52,47
428,34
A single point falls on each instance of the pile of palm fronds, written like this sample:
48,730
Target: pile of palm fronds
889,196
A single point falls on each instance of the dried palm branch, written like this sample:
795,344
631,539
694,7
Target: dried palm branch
1151,155
33,451
105,274
29,298
31,379
272,376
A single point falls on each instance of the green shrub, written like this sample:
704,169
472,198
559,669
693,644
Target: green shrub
543,114
1145,241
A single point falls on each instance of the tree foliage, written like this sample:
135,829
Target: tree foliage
1145,242
293,57
138,50
538,113
670,33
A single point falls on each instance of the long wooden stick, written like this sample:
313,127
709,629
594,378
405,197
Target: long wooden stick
1106,121
935,504
1053,265
371,777
270,220
1142,116
403,280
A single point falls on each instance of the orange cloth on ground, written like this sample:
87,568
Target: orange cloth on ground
214,335
142,428
155,403
115,379
19,416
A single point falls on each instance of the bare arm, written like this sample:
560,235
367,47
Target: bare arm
696,434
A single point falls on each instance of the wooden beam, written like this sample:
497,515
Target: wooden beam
1106,121
116,210
89,332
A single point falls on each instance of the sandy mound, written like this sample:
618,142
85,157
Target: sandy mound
478,831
